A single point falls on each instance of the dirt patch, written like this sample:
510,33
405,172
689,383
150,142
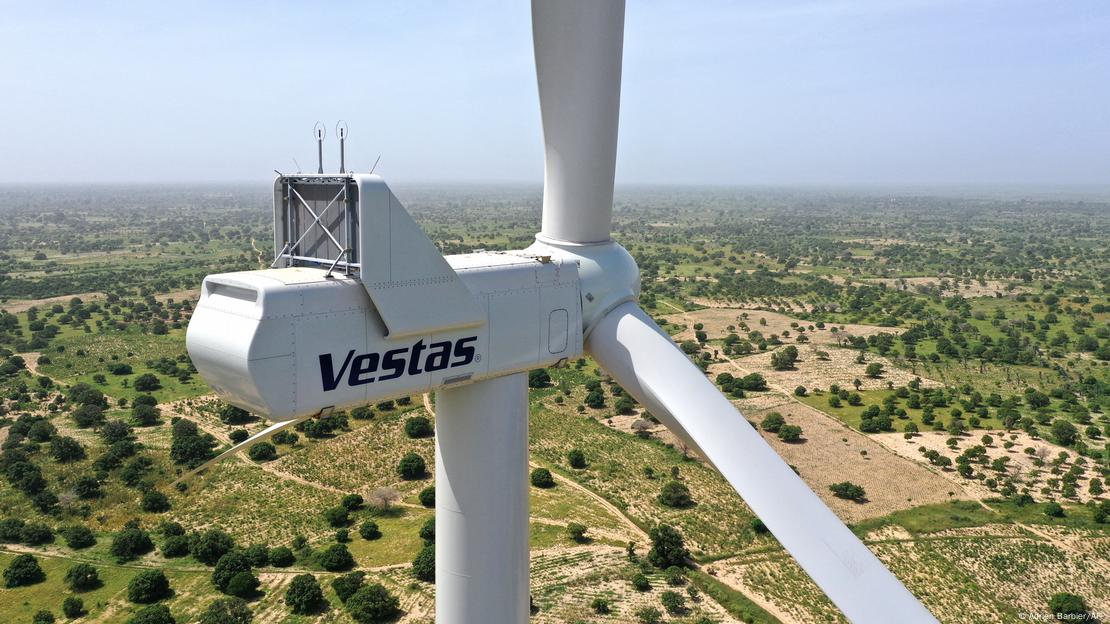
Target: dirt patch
831,453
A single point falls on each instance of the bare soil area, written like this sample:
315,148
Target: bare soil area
830,453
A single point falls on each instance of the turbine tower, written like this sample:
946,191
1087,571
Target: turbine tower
362,307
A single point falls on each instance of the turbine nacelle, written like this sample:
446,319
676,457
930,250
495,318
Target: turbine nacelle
296,341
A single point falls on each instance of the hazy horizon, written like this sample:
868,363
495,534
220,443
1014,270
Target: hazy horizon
907,96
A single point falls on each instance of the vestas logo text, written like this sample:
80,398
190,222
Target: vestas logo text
414,360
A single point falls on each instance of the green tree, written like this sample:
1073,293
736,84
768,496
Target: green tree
147,382
153,614
23,570
346,585
373,603
304,594
424,565
428,496
209,546
411,467
73,607
82,577
874,370
576,459
369,530
148,586
848,490
227,567
131,543
262,452
231,610
790,433
773,422
675,494
419,427
336,558
667,547
542,478
1065,606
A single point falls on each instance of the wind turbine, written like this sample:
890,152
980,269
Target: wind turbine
364,308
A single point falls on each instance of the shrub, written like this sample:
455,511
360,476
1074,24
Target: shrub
676,494
790,433
601,606
346,585
43,617
287,437
115,431
175,546
428,531
541,478
153,614
227,611
336,558
209,546
538,378
424,565
78,536
73,608
1053,510
82,577
673,602
155,502
146,382
373,603
227,567
337,516
577,459
428,496
148,586
1065,606
36,534
304,594
233,415
411,467
131,543
87,488
88,416
641,582
848,490
675,575
281,557
262,451
237,436
145,415
577,531
773,422
649,615
243,585
369,530
418,427
23,570
257,554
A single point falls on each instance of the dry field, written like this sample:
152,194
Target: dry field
953,286
717,319
839,367
831,452
982,574
1020,463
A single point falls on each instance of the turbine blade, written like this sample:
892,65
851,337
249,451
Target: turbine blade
644,360
261,436
578,46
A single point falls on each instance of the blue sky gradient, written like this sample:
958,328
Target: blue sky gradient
852,92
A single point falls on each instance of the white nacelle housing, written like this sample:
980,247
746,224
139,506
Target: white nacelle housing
288,343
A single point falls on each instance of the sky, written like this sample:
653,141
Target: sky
776,92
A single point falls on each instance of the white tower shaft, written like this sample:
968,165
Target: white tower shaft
482,502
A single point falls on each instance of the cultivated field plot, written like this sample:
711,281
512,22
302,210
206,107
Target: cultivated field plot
1019,462
363,459
815,371
952,287
719,523
566,582
831,453
717,319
